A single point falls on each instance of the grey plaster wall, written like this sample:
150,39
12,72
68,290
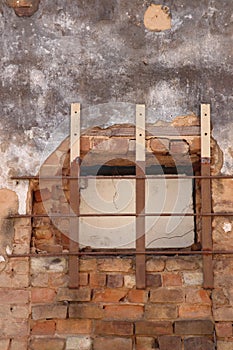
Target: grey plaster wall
99,52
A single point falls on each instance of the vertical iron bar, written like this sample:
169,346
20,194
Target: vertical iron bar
74,194
140,197
206,207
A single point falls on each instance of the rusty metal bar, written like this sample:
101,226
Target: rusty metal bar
206,198
125,253
140,197
122,177
60,215
74,194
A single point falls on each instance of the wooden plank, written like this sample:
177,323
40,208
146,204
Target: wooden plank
140,197
74,195
206,207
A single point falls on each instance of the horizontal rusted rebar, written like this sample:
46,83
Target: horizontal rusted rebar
125,253
132,177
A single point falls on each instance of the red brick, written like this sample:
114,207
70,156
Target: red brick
113,328
16,296
172,280
200,343
81,294
194,311
164,295
182,264
198,296
161,311
109,295
224,313
114,281
97,279
43,328
14,328
111,145
224,329
4,344
69,326
167,342
137,296
115,264
42,295
153,281
83,278
123,312
47,344
194,327
113,343
58,279
49,311
153,328
85,143
18,344
85,311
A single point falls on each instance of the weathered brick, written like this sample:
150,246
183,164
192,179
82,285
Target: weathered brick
17,296
164,295
47,344
80,343
97,279
225,345
85,311
172,279
19,344
167,342
40,280
112,145
115,264
153,281
114,281
49,311
137,296
82,294
112,343
14,328
159,145
161,311
194,311
58,280
179,147
224,329
109,295
4,344
193,278
200,343
194,327
198,296
113,328
182,264
70,326
87,264
153,328
155,265
145,343
43,327
123,312
83,278
54,264
223,314
42,295
129,281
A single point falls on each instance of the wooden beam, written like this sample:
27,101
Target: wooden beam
140,197
74,194
206,205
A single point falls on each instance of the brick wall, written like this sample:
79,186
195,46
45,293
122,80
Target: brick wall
39,311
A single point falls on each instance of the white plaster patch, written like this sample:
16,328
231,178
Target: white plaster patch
9,73
37,78
227,227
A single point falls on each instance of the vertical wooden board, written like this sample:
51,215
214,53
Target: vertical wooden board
140,197
205,131
75,132
74,194
206,198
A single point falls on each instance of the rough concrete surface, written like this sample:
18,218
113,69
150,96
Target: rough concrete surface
99,52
